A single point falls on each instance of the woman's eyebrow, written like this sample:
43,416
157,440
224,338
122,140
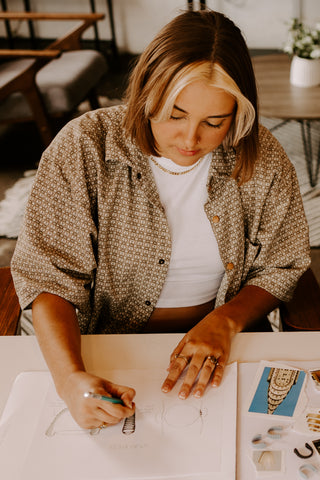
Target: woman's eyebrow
210,116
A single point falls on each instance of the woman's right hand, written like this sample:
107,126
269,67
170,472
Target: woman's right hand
89,412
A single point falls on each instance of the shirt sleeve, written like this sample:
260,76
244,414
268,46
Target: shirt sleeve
281,247
55,251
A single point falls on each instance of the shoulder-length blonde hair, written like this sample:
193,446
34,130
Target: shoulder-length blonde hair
202,45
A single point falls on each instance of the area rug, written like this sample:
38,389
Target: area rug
289,135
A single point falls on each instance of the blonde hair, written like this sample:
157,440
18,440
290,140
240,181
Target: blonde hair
196,45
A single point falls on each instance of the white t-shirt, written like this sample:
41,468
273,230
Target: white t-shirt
195,269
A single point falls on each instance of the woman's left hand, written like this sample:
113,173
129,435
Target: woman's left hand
205,350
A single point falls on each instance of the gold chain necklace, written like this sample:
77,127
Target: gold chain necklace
175,173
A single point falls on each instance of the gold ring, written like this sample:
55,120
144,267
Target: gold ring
213,360
178,355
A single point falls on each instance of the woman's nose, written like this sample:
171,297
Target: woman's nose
191,136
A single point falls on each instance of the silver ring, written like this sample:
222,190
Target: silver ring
213,360
104,425
178,355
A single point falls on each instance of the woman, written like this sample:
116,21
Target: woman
173,212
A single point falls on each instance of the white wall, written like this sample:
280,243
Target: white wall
263,22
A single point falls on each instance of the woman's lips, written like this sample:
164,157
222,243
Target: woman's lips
188,153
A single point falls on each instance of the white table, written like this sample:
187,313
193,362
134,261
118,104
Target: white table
105,352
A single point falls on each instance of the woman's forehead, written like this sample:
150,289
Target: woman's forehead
200,96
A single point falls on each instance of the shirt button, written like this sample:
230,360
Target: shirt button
139,175
230,266
147,302
161,261
216,219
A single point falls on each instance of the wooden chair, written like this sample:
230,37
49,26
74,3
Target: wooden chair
9,304
303,311
47,84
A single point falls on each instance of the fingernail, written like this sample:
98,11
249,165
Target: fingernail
197,394
182,395
165,389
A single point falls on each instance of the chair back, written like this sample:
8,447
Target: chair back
303,310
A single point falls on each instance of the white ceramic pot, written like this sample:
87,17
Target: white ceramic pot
305,72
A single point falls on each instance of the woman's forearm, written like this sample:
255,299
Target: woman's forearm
56,326
58,333
250,304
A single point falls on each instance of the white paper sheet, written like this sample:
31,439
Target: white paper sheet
170,438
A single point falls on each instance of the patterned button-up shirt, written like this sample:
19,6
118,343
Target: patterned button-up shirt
96,234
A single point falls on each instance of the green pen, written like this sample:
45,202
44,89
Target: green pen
97,396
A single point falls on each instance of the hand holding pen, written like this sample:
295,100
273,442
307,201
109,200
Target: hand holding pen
95,402
97,396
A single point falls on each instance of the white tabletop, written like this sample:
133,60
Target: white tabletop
105,352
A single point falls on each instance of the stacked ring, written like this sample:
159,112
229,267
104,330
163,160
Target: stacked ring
213,360
178,355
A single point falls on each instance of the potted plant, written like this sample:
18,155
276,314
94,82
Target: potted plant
303,43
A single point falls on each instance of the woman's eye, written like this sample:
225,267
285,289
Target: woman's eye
175,118
214,126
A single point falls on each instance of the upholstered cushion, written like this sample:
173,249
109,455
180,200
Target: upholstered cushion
63,82
10,69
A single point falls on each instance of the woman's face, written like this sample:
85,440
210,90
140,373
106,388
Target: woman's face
200,119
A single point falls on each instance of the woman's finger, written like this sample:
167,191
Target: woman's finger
104,417
218,374
191,376
177,351
177,365
207,372
126,394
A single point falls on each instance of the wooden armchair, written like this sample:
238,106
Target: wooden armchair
9,304
303,311
42,85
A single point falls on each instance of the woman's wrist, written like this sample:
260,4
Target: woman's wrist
250,304
69,383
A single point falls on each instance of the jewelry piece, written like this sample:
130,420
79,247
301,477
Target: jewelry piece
213,360
313,421
315,375
308,467
266,459
176,173
281,380
257,441
274,432
104,425
300,455
186,359
316,444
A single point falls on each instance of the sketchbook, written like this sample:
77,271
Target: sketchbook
167,438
